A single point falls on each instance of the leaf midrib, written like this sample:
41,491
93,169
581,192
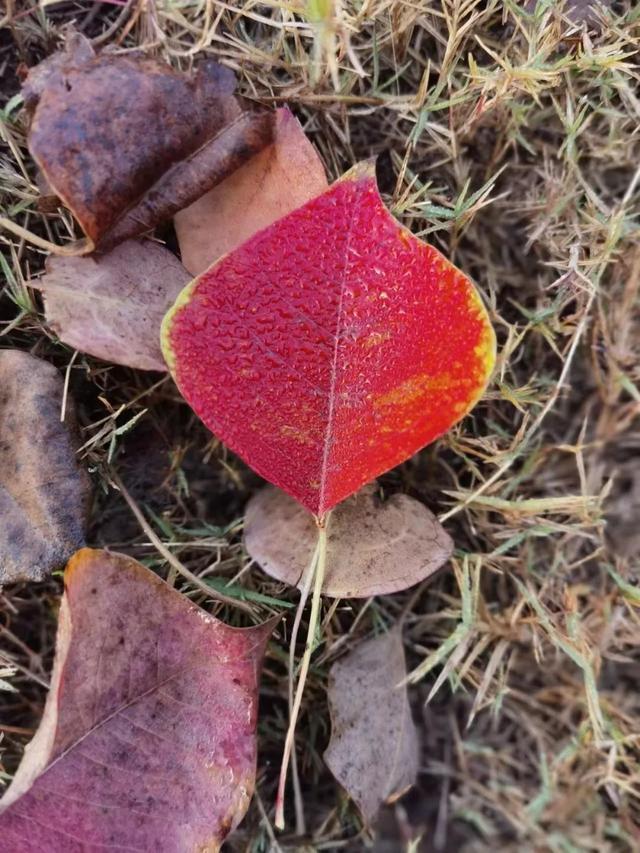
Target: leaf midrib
128,704
334,364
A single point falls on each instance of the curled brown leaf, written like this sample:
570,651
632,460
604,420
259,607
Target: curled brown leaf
277,180
125,141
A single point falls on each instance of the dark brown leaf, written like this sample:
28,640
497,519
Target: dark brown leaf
374,750
112,305
44,493
148,737
125,141
373,548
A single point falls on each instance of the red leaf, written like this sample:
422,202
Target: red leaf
148,735
331,346
283,176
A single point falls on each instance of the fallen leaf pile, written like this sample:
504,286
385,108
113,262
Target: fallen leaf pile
320,340
148,736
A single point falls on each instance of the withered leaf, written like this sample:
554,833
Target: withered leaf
586,11
44,493
577,11
374,751
125,141
373,548
623,502
148,736
111,306
280,178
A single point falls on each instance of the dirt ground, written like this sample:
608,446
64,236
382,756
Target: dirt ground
507,135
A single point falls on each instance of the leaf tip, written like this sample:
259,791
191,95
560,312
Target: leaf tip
364,170
78,561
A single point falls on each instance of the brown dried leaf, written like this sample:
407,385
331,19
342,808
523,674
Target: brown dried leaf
577,11
112,305
586,11
373,548
44,494
282,177
374,750
125,141
623,504
148,736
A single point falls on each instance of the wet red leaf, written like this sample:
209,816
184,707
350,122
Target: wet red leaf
148,735
331,346
125,141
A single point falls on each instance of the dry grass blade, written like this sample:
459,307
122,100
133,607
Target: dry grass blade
194,580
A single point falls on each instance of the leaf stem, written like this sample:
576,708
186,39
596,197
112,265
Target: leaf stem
304,595
316,572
